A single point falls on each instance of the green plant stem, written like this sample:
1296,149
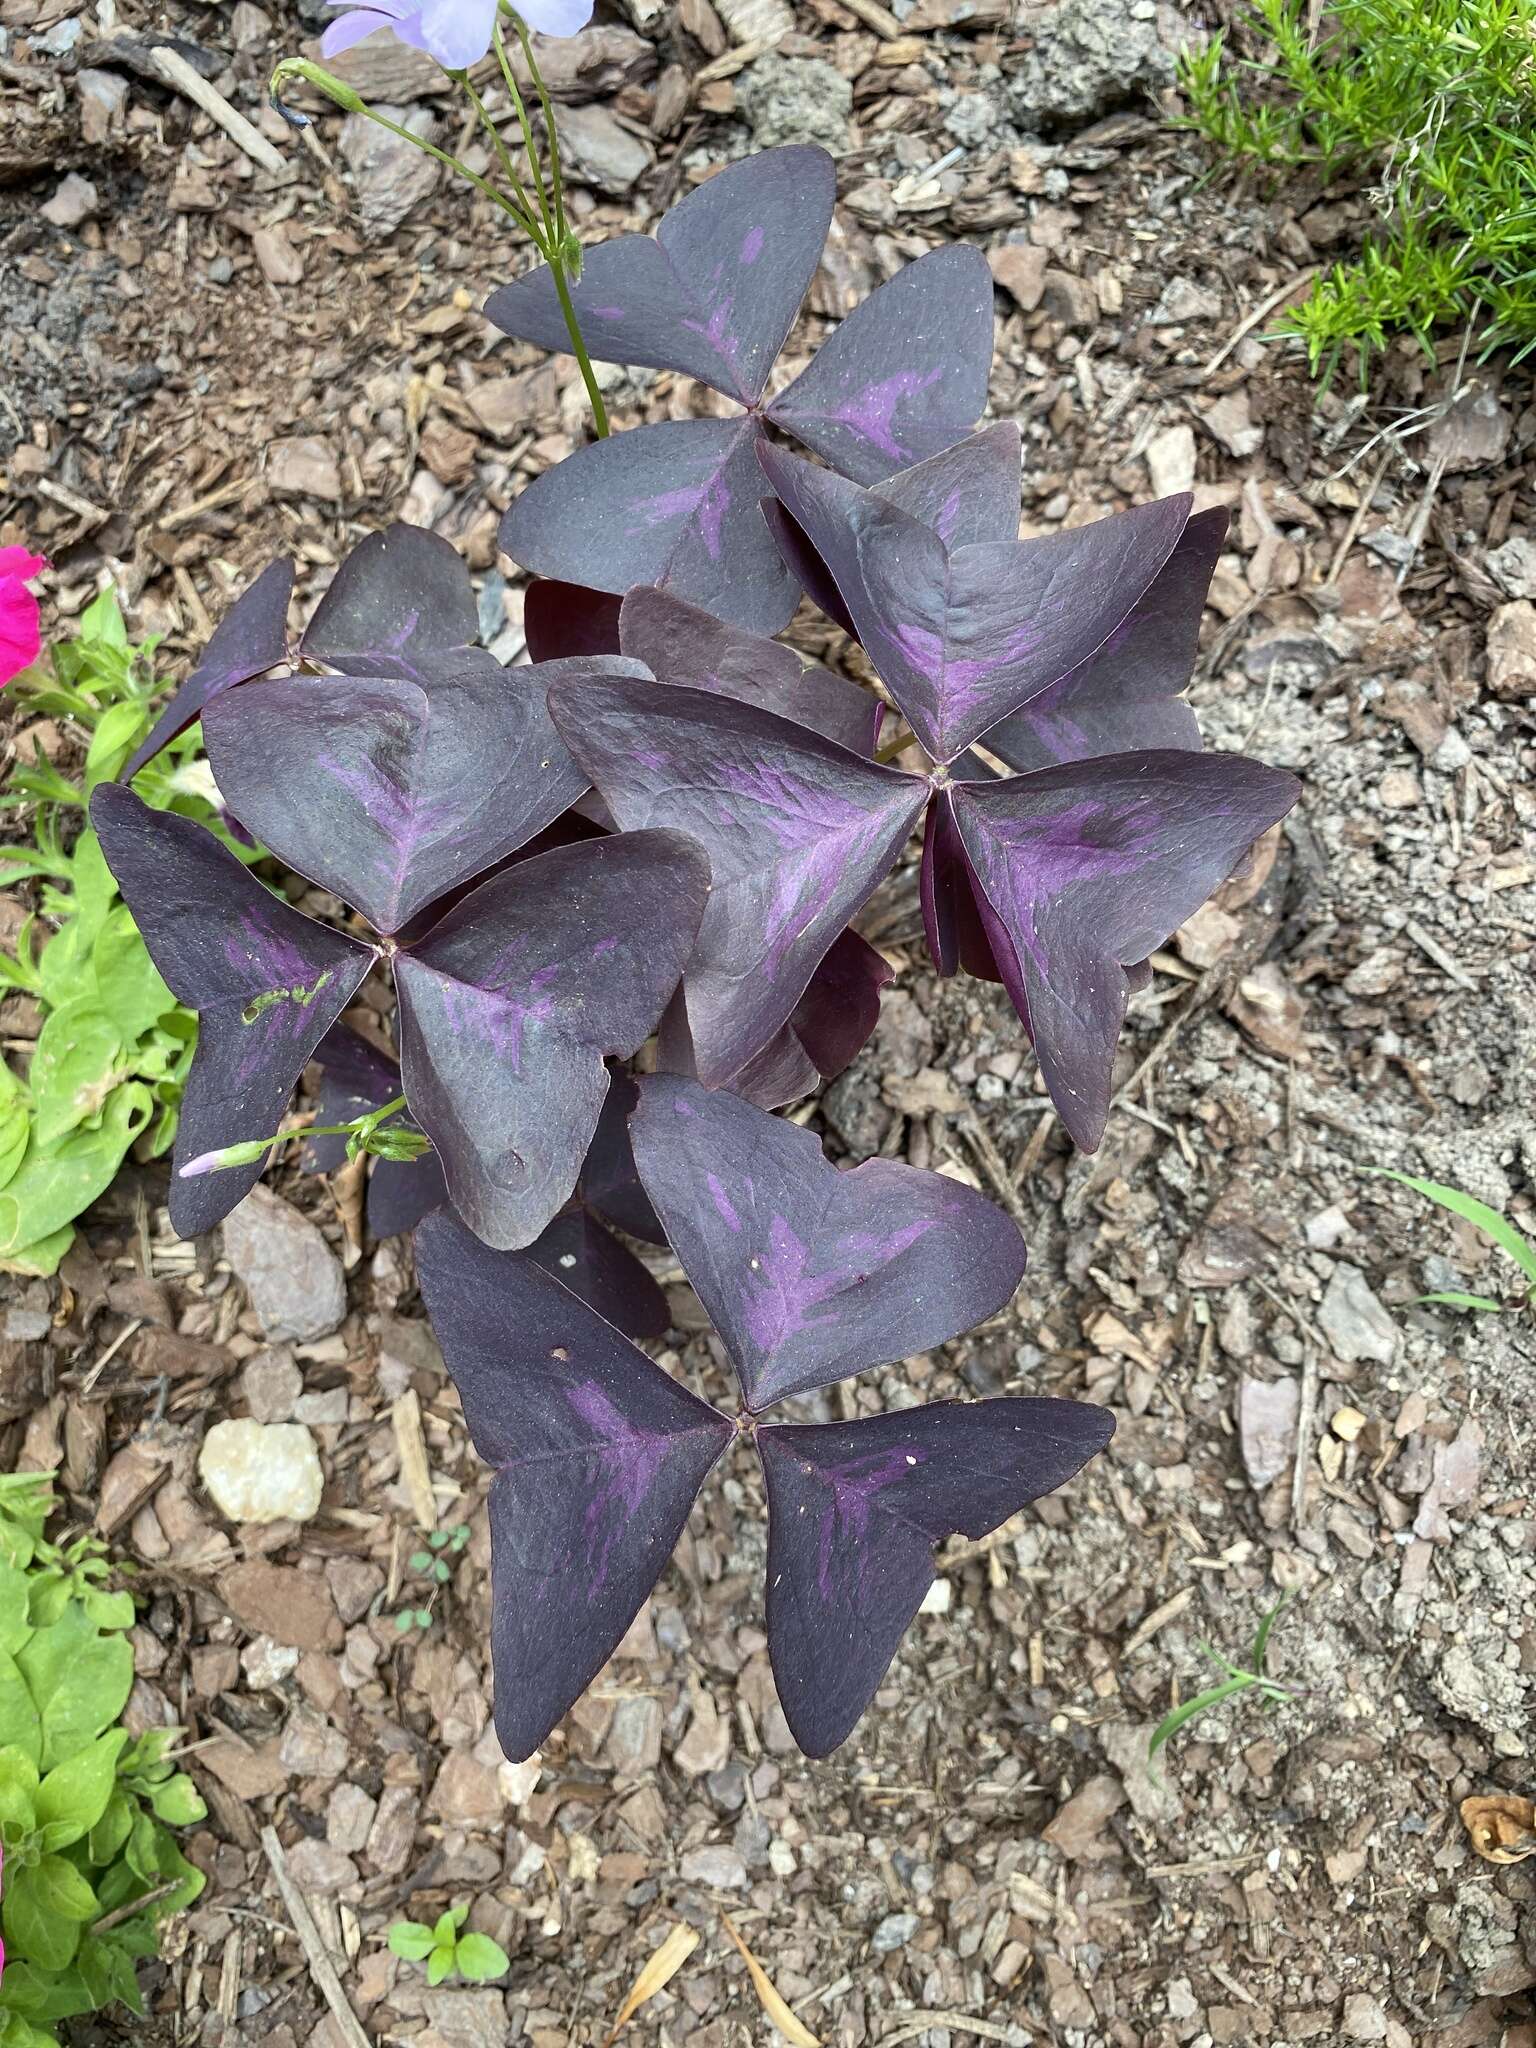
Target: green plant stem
509,168
556,227
453,163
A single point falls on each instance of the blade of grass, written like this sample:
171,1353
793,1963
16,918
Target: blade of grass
1489,1221
1213,1696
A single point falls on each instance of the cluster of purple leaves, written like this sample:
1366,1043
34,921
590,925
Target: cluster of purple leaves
665,826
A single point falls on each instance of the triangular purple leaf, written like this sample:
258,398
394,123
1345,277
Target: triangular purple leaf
598,1455
963,637
674,504
968,494
679,643
1124,699
798,832
376,797
713,295
596,1268
266,982
564,620
854,1512
905,375
1087,869
952,917
251,638
806,566
810,1274
399,604
509,1006
609,1182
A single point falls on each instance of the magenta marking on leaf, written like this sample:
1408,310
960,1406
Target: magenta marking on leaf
854,1487
630,1460
605,312
873,412
783,1290
959,679
751,246
720,1198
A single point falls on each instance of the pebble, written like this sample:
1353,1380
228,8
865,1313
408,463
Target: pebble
795,99
602,153
302,466
262,1471
74,201
1266,1427
390,177
1170,460
1354,1321
393,1833
311,1747
894,1932
271,1383
720,1868
266,1663
354,1584
316,1867
349,1814
293,1278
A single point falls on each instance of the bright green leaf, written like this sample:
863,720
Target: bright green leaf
20,1722
129,986
1489,1221
54,1185
447,1925
1212,1696
178,1801
80,1679
480,1959
74,1794
113,741
77,1063
112,1830
40,1259
45,1903
1452,1300
411,1941
439,1965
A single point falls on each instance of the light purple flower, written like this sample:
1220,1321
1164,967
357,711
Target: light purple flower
456,32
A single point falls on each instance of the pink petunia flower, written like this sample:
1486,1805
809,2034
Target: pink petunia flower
456,32
19,636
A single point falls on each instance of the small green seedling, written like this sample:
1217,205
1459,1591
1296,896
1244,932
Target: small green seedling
1237,1680
1492,1224
433,1565
477,1958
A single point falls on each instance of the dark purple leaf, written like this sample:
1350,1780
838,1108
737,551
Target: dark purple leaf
905,375
810,1274
609,1182
717,290
854,1512
509,1006
251,638
952,919
1124,699
968,494
598,1458
267,985
806,566
356,1079
1085,870
580,1254
399,604
389,794
963,637
679,643
674,504
562,620
798,832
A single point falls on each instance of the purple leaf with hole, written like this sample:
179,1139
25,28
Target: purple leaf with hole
267,985
509,1006
564,620
810,1274
389,794
964,636
251,638
1125,698
674,504
399,605
679,643
906,373
598,1458
1083,871
798,832
713,294
854,1512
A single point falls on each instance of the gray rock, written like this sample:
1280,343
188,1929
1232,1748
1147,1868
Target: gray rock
720,1868
390,177
1514,565
1354,1321
894,1932
354,1583
271,1383
74,201
600,151
317,1867
1184,300
314,1749
465,2019
394,1830
349,1815
293,1279
103,102
261,1471
1089,55
795,99
1266,1426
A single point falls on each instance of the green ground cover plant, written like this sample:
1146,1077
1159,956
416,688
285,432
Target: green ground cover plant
1432,103
110,1061
446,1950
86,1810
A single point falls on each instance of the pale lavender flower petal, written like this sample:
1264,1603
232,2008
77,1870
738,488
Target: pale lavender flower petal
557,17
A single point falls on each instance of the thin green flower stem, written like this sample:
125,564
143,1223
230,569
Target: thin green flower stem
525,204
453,163
556,176
554,220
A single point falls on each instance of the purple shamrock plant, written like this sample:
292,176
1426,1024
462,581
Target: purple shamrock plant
810,1275
713,294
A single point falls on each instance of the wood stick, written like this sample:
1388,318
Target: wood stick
316,1954
179,75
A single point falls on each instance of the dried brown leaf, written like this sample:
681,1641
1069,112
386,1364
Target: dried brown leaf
662,1967
1502,1827
793,2030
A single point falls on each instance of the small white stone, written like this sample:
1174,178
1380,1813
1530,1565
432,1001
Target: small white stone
936,1599
262,1471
